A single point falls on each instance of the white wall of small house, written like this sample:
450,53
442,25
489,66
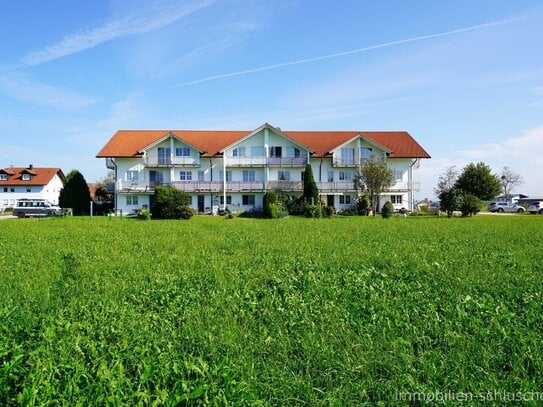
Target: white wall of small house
50,192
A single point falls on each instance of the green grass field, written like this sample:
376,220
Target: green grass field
345,311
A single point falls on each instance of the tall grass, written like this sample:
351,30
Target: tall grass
295,311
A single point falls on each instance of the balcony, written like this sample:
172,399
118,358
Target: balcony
349,161
160,161
287,161
337,186
286,185
256,161
261,161
404,186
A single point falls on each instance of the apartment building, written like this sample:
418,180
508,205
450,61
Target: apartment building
234,169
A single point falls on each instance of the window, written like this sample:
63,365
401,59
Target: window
276,151
293,152
201,175
5,189
365,153
3,177
345,199
330,176
132,200
396,199
283,175
185,175
228,199
257,151
347,156
26,177
132,176
12,190
345,176
228,175
29,190
238,152
302,175
248,176
398,175
248,200
182,151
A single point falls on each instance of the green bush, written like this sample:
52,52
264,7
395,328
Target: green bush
296,206
144,214
274,210
167,201
270,198
469,205
313,211
184,212
328,211
363,205
387,210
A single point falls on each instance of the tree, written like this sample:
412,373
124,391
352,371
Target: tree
75,194
446,180
469,205
510,180
311,192
374,177
449,201
170,203
478,180
387,210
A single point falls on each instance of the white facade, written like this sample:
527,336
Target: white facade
263,160
9,194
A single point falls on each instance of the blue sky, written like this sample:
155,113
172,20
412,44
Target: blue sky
465,78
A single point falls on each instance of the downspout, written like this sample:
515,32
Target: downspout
410,184
210,186
116,181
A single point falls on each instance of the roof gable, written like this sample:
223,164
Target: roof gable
276,130
212,143
167,136
40,175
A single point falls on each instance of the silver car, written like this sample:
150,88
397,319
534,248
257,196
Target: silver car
36,207
536,207
501,207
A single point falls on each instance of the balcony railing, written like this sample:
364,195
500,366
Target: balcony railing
262,161
245,161
337,186
240,186
287,161
286,185
159,161
349,161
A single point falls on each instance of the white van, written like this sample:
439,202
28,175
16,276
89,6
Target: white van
36,207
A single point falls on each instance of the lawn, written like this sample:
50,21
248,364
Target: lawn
344,311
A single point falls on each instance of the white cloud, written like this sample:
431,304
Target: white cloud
23,88
140,21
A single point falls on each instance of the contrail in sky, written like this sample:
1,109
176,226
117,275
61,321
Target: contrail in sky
353,51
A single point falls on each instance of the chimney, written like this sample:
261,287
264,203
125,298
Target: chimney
30,166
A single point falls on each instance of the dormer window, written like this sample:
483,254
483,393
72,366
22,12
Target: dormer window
3,177
26,177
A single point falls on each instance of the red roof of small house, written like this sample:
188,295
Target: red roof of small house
129,143
38,175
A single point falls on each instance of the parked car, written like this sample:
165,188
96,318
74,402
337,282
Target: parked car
505,207
536,207
36,207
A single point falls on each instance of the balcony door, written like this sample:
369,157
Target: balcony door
155,178
164,155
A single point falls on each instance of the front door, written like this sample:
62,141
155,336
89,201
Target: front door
201,203
330,200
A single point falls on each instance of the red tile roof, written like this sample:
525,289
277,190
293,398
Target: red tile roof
127,143
38,175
